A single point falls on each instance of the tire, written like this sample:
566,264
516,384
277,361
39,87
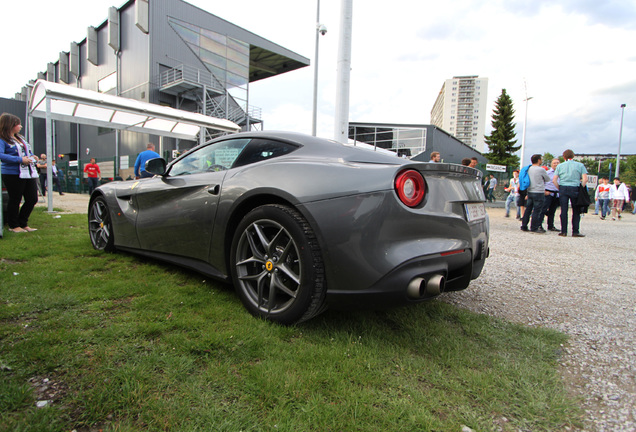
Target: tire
100,225
276,265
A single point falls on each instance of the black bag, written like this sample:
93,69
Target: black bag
583,200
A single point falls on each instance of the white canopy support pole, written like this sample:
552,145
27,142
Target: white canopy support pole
49,154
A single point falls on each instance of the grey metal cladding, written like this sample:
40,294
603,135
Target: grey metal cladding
74,60
141,15
113,28
91,42
63,67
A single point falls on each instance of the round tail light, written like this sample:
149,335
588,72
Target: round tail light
410,187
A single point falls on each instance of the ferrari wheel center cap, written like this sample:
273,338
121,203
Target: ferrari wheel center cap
269,266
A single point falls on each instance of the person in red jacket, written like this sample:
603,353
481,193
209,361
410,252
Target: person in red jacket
94,175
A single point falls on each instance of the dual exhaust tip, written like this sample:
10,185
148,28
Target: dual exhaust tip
421,287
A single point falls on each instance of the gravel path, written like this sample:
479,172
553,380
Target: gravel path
593,301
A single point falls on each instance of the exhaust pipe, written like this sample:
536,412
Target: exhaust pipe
422,288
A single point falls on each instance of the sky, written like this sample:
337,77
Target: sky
574,58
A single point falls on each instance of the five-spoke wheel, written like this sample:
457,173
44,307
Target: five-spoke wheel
276,265
100,226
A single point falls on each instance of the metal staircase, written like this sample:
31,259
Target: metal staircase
209,94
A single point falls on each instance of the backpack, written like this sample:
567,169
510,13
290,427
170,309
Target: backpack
524,178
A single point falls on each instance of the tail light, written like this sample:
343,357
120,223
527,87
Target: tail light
410,187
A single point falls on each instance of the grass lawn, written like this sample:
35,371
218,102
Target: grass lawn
116,342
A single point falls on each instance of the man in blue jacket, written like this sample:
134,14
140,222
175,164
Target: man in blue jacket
144,156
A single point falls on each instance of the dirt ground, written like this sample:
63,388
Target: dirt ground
68,203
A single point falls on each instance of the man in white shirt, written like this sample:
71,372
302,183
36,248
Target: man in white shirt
513,195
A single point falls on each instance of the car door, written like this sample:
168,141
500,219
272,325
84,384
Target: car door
177,211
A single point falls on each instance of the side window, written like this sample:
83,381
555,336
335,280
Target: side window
219,156
261,149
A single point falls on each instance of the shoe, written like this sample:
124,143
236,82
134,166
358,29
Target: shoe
553,229
578,235
61,193
563,234
602,217
538,231
613,218
518,218
506,215
595,214
18,230
29,229
524,229
619,216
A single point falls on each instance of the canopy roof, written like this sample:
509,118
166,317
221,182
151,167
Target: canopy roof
76,105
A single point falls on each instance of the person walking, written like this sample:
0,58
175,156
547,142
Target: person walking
513,193
551,197
435,157
567,178
142,158
602,197
536,196
94,175
492,184
56,177
41,165
618,195
19,174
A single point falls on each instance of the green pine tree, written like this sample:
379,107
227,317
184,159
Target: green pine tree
501,141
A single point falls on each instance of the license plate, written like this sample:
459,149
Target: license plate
475,211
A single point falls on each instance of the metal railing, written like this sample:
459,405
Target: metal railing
191,75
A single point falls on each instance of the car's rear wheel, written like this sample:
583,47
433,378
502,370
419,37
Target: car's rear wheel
100,226
276,265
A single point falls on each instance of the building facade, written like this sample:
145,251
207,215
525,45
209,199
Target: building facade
460,109
165,52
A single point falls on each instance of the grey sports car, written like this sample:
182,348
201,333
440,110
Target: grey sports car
299,223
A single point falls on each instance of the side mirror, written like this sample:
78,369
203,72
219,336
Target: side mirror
156,166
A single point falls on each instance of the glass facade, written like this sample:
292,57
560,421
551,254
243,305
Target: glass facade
226,58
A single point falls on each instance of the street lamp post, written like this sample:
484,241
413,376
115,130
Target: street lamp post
523,137
320,30
620,138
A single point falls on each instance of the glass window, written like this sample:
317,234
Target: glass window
238,46
213,46
259,150
219,156
188,35
212,58
214,36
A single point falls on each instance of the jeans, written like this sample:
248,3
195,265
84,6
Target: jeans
605,207
534,206
490,195
93,182
511,197
567,195
549,208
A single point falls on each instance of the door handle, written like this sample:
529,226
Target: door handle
214,190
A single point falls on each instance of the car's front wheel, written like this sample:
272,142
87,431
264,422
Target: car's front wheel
100,226
276,265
